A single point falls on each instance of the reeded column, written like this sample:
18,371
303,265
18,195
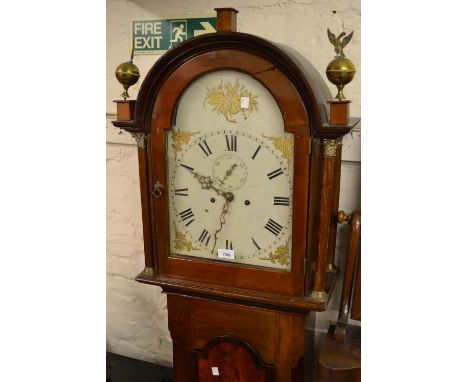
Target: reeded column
336,200
329,157
141,140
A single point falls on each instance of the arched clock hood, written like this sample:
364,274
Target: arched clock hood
305,78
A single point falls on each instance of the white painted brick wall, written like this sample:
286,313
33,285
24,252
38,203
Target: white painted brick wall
137,313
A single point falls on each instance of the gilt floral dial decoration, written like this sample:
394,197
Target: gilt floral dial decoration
230,185
229,98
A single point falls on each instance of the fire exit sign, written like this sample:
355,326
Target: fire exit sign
157,36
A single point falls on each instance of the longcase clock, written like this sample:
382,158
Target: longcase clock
239,171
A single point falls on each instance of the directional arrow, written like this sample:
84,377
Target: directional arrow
207,28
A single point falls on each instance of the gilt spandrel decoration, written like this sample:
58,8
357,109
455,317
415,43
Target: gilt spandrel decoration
180,139
229,98
181,241
281,255
284,144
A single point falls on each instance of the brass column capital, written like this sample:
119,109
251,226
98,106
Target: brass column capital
330,146
140,138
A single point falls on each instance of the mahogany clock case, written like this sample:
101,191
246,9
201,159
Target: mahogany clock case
241,318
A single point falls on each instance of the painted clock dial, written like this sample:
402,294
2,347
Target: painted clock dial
230,173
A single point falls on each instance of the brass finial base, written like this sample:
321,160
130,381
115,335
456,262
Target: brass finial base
125,94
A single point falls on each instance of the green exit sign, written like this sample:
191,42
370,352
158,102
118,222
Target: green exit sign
157,36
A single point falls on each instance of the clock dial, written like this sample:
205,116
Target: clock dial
230,174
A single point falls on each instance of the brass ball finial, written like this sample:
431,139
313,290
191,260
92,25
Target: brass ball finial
340,71
127,73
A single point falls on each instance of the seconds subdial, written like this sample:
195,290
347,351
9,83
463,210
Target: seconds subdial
230,172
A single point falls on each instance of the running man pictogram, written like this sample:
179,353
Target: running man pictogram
178,33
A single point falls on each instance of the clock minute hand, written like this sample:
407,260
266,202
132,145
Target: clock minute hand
206,184
222,221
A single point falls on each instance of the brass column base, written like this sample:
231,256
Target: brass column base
331,268
148,271
319,295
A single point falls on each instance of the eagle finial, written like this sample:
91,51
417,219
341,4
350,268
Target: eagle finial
338,43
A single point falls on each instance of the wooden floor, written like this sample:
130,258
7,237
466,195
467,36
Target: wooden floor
124,369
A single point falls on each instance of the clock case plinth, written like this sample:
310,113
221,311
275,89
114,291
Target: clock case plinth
201,294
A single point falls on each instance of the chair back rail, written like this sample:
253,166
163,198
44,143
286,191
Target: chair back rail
352,276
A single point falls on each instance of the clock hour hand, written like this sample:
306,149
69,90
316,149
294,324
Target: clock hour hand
207,184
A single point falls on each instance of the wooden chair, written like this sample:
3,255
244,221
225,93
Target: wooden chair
339,358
